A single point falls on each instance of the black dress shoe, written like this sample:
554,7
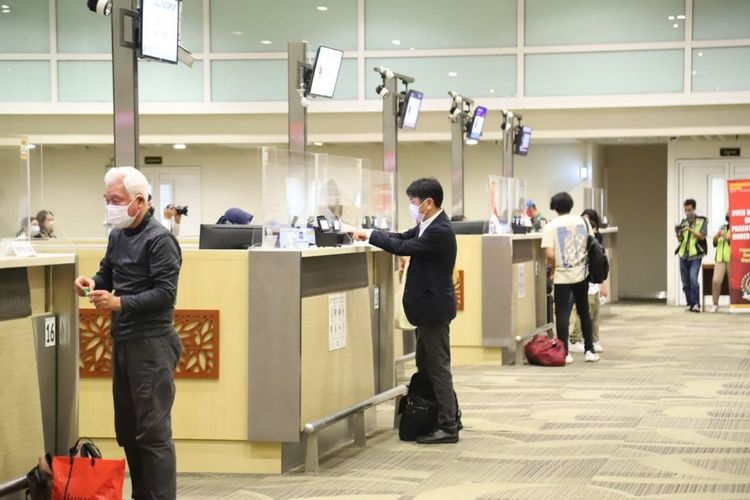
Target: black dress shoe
439,436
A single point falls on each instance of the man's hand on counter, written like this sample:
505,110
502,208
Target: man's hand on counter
361,235
103,299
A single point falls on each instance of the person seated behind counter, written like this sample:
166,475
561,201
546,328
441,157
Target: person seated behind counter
29,228
46,224
429,295
537,219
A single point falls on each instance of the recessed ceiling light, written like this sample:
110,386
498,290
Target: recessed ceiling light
700,54
266,42
492,91
396,42
452,73
236,33
675,25
322,8
671,18
318,143
4,6
681,16
412,48
179,146
5,11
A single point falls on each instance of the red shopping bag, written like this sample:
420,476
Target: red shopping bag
544,351
77,478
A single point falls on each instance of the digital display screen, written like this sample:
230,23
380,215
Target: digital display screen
325,72
160,21
523,141
410,112
323,224
477,124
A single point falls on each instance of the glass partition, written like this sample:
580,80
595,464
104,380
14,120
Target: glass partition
14,193
378,200
508,212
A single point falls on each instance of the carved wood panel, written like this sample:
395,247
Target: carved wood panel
198,331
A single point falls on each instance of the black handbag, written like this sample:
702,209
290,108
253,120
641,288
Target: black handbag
418,409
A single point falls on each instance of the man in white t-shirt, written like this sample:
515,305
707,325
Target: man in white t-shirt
566,239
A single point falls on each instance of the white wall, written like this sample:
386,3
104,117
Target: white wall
687,149
637,176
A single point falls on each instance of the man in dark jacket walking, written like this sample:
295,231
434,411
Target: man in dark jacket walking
429,295
141,266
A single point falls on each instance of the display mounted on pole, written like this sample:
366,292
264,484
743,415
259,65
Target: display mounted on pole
739,225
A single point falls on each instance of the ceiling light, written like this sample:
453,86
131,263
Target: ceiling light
700,54
452,73
472,142
396,42
681,16
675,25
492,91
671,18
179,146
236,33
266,42
412,48
322,8
318,143
4,6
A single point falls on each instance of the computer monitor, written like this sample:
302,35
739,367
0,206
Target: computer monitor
159,34
325,72
523,140
477,123
410,109
230,236
470,226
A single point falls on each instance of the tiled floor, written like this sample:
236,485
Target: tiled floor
664,414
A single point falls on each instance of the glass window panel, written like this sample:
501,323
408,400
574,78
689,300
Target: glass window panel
721,19
170,82
439,24
192,25
599,73
721,69
267,80
552,22
24,81
84,81
80,30
473,76
242,26
24,26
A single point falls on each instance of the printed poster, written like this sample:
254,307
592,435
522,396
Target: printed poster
739,267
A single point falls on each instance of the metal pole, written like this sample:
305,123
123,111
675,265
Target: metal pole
390,137
457,156
125,83
297,57
508,150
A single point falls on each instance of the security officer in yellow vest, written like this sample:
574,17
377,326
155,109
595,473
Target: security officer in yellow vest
691,233
722,241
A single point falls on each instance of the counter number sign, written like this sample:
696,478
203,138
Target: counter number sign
50,333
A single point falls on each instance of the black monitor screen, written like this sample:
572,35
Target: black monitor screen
477,123
230,236
325,72
470,226
410,109
523,139
160,24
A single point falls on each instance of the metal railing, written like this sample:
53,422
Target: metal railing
13,486
357,412
520,353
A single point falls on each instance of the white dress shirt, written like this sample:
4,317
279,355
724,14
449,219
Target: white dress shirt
425,224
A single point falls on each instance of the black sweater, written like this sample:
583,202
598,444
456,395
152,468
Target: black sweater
142,266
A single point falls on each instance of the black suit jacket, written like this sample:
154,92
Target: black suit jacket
429,294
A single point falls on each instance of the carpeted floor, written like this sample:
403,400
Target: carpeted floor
664,414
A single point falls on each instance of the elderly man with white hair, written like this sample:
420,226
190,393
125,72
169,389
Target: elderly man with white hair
137,282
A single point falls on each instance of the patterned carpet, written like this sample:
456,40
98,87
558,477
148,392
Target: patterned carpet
665,414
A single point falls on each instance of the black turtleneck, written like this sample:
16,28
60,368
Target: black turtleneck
141,266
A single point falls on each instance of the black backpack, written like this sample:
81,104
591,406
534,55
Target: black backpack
598,261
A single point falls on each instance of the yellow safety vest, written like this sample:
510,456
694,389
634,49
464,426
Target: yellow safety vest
689,245
723,249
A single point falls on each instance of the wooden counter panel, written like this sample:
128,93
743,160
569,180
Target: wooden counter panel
334,380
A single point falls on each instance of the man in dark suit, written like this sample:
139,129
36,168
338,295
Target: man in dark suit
429,295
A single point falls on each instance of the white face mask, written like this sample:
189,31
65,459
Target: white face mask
35,230
415,213
118,217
